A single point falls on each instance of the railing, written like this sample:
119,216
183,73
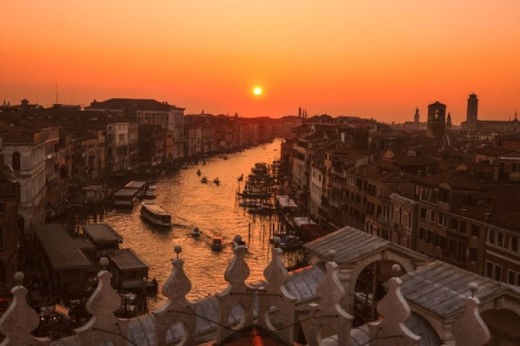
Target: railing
181,322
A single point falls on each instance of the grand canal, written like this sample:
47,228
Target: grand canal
212,208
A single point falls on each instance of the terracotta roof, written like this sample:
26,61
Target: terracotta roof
456,179
438,287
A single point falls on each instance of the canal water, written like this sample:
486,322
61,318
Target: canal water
215,210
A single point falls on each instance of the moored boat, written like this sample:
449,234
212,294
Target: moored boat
155,214
151,192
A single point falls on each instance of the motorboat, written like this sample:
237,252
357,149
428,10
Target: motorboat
216,181
196,232
155,214
198,172
204,180
216,244
151,192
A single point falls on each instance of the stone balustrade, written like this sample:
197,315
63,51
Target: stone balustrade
268,307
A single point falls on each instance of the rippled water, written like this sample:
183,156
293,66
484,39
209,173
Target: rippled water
214,209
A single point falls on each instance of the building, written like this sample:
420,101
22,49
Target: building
436,120
148,111
9,231
472,112
472,122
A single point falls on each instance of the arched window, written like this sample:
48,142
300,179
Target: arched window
16,161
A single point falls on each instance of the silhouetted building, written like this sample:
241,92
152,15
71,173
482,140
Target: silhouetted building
472,113
436,120
416,116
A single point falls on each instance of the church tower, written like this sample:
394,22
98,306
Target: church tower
436,120
416,116
472,113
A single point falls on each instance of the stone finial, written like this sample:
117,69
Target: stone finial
396,269
328,313
275,295
20,319
104,325
331,254
238,293
470,329
177,308
391,330
238,270
177,249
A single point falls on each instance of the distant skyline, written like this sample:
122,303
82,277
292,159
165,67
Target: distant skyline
374,59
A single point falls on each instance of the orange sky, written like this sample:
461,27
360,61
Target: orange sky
376,59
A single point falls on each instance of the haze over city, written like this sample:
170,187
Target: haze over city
377,59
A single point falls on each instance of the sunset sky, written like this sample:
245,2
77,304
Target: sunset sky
375,59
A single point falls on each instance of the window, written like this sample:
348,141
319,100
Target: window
500,239
423,214
498,272
511,277
421,233
473,254
462,227
475,231
454,224
489,269
2,236
514,242
16,161
491,236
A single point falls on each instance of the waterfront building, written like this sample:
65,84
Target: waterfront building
148,111
9,229
155,145
122,146
24,151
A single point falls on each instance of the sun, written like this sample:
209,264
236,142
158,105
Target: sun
257,90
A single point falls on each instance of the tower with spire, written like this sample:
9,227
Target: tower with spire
416,117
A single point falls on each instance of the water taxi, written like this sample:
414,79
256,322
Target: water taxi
217,245
196,232
155,214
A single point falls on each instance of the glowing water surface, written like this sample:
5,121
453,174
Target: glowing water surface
214,209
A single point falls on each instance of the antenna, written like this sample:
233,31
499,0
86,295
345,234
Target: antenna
56,93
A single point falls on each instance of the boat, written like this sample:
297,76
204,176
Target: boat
216,181
196,232
217,245
155,214
241,177
287,242
204,180
151,193
198,172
